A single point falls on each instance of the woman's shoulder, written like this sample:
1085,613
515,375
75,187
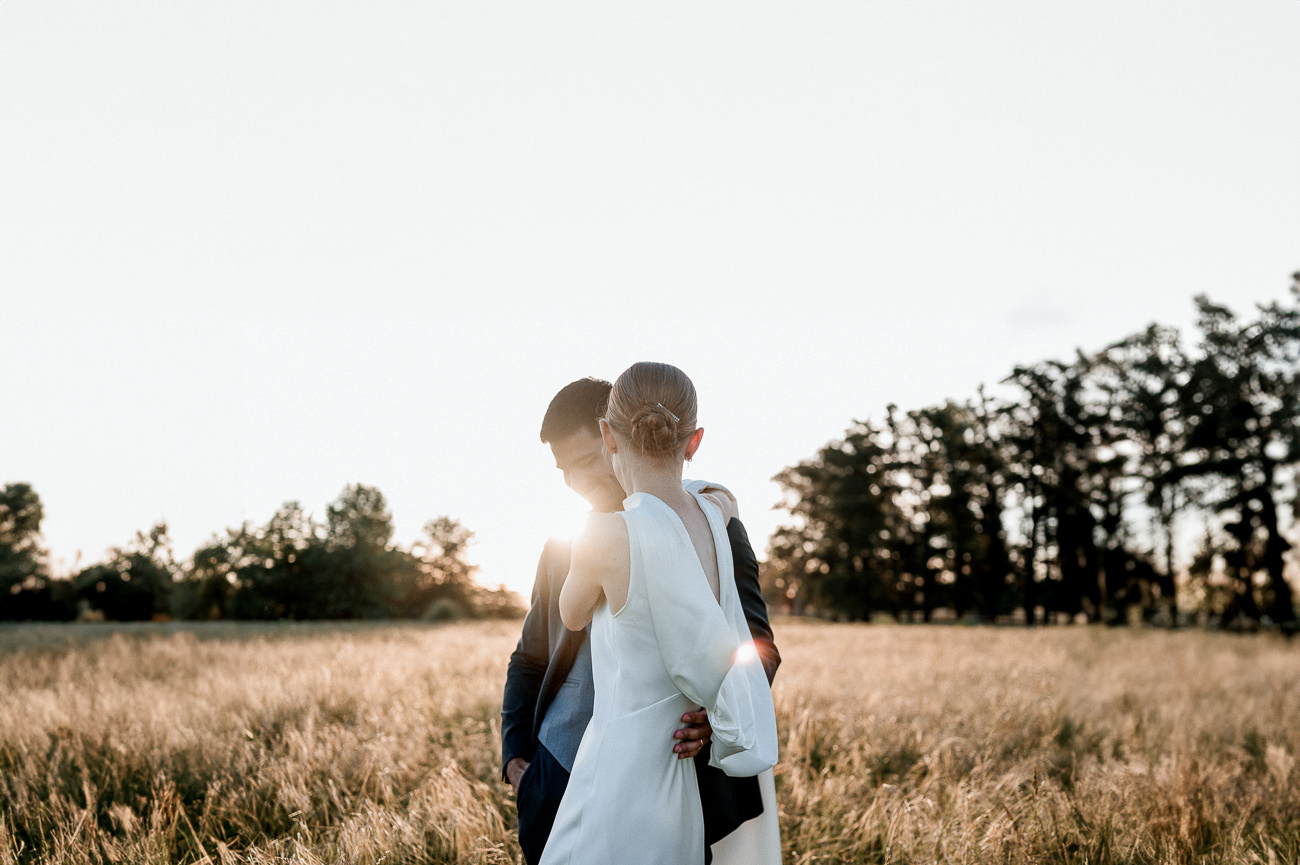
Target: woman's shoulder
599,525
603,538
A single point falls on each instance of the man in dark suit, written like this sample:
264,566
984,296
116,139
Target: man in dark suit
549,690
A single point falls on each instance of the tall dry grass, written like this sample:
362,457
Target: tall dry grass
275,745
306,744
1016,746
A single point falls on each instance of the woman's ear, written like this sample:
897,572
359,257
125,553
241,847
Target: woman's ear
693,443
607,436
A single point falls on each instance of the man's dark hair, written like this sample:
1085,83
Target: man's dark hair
576,407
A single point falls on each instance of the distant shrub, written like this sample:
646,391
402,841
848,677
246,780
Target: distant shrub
444,610
499,603
49,601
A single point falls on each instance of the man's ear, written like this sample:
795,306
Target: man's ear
693,443
607,436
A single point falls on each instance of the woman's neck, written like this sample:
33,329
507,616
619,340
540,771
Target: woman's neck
661,479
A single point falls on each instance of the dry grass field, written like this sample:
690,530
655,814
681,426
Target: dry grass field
369,744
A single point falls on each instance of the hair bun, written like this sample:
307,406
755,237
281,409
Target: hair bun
654,406
654,429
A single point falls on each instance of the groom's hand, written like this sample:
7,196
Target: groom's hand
692,738
515,770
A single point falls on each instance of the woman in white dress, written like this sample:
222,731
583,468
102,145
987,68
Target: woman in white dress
667,635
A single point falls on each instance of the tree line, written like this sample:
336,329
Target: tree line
1154,480
293,567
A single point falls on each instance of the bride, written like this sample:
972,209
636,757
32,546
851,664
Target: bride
667,635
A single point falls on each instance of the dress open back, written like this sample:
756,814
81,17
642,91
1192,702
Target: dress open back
667,651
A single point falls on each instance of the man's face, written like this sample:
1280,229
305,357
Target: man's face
587,471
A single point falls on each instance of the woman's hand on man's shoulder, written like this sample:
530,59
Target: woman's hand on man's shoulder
724,501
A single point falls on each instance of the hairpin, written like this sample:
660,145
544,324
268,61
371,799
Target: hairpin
675,418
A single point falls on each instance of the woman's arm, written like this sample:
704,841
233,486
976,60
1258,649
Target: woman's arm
600,567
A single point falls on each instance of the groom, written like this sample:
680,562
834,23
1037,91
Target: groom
549,690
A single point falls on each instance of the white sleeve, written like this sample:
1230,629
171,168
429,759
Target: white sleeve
744,740
708,651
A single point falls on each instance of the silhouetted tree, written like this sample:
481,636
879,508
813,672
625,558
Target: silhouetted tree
347,568
1140,378
1241,408
26,590
1098,461
208,588
959,467
440,580
276,568
359,573
844,540
913,540
22,561
296,568
136,582
1050,446
992,574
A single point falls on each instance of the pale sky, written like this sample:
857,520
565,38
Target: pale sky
255,251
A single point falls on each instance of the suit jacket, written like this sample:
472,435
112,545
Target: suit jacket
545,655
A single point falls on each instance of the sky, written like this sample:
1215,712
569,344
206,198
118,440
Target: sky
252,252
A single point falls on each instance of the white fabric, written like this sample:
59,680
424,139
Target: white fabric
671,648
757,841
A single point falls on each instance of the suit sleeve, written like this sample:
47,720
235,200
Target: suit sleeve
525,673
751,597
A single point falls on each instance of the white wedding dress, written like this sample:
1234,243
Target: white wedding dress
671,648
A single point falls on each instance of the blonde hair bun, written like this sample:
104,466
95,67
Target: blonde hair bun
654,406
653,430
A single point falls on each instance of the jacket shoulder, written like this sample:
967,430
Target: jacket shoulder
557,551
554,565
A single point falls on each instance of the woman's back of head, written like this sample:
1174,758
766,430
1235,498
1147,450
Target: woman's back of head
654,406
